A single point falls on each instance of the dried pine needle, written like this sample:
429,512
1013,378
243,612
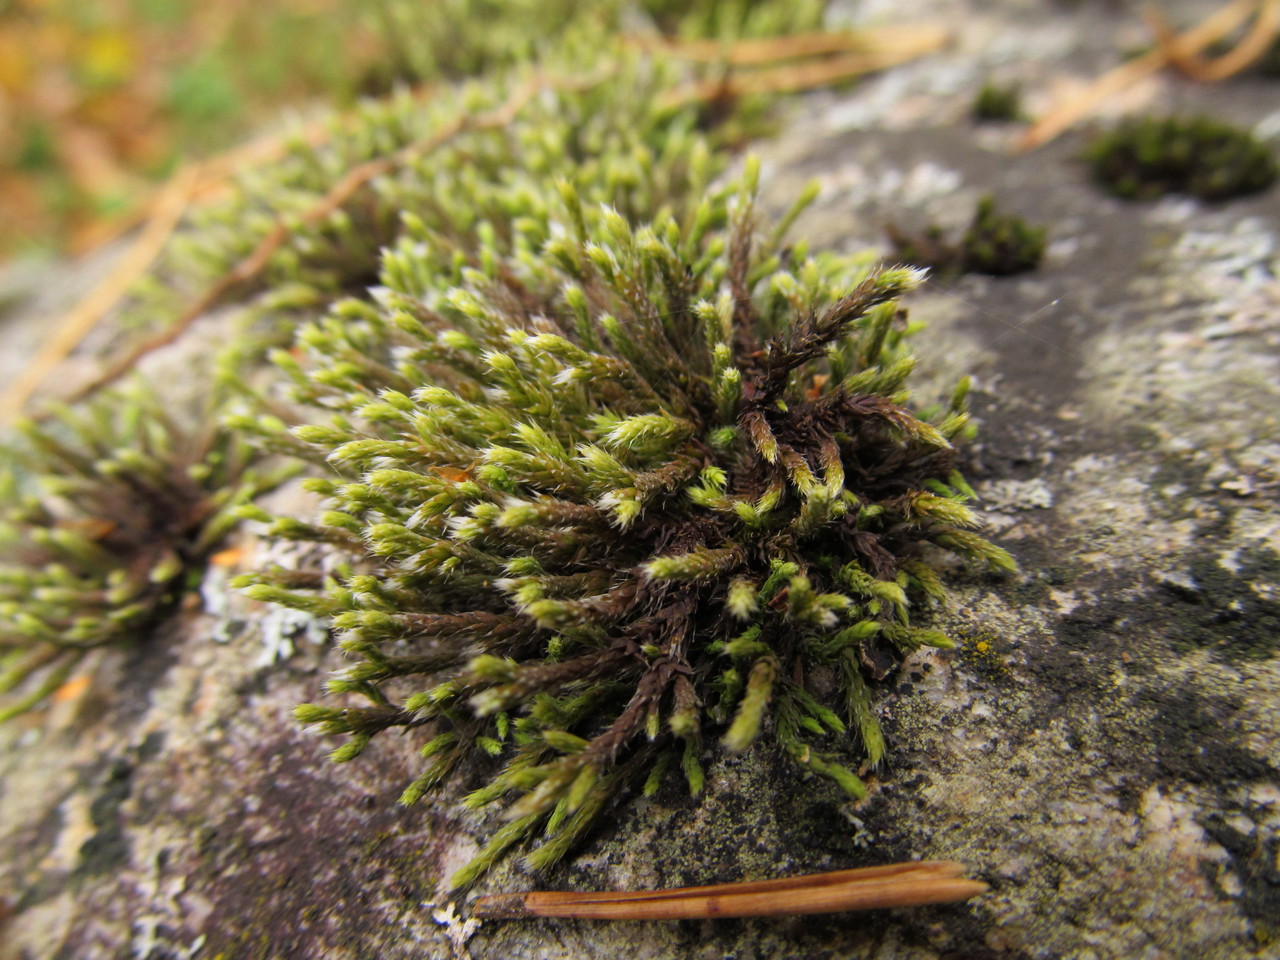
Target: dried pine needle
866,888
1213,28
1254,45
914,39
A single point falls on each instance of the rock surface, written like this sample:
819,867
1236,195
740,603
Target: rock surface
1104,750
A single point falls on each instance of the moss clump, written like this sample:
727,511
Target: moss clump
928,248
612,476
1000,244
1149,157
995,244
107,512
997,103
606,469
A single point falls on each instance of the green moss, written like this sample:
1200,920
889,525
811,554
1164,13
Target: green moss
1149,157
608,472
995,244
106,511
997,103
471,56
614,478
1001,244
464,38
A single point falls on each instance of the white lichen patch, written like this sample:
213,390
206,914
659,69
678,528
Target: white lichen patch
910,188
1170,828
281,628
457,930
1230,264
1015,495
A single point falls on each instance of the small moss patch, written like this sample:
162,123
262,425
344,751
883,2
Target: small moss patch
1149,157
996,244
997,103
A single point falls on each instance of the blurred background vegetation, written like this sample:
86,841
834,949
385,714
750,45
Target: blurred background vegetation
101,99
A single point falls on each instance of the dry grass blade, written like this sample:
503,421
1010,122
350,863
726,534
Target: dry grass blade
167,211
896,885
745,53
793,78
215,176
1062,117
211,181
1266,28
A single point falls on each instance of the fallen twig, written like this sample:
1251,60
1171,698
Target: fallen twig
792,78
